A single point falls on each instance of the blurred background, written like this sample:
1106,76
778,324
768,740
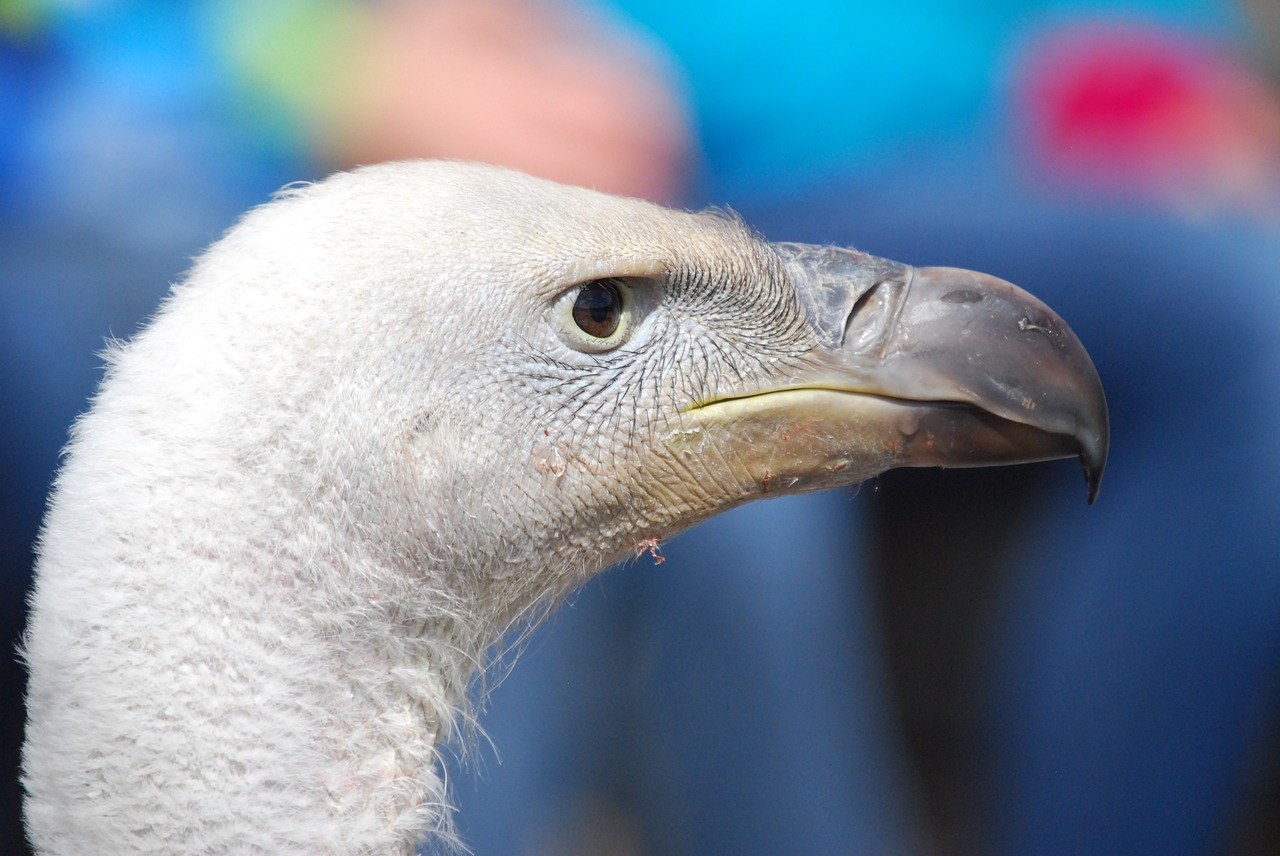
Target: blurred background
935,663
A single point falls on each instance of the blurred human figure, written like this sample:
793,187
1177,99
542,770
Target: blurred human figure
1141,661
551,87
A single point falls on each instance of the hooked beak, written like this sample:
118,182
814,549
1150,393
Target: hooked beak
920,367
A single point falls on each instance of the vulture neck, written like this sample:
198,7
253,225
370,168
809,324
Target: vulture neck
382,660
266,676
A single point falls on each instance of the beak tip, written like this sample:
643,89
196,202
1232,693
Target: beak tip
1093,458
1094,479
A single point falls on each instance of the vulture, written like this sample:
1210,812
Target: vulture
390,416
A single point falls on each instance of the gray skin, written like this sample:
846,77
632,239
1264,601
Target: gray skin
376,428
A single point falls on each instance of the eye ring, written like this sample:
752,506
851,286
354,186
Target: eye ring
595,316
598,308
599,315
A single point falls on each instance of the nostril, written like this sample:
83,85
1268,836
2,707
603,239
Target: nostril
864,314
850,299
866,297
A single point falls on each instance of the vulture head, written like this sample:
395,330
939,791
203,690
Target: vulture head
391,415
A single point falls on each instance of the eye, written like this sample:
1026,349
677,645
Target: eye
601,314
597,308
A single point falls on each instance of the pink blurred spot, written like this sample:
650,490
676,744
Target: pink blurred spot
1138,109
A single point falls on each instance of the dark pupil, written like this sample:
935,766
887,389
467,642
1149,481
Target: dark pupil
598,308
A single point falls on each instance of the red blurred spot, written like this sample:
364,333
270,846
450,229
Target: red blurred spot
1136,108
